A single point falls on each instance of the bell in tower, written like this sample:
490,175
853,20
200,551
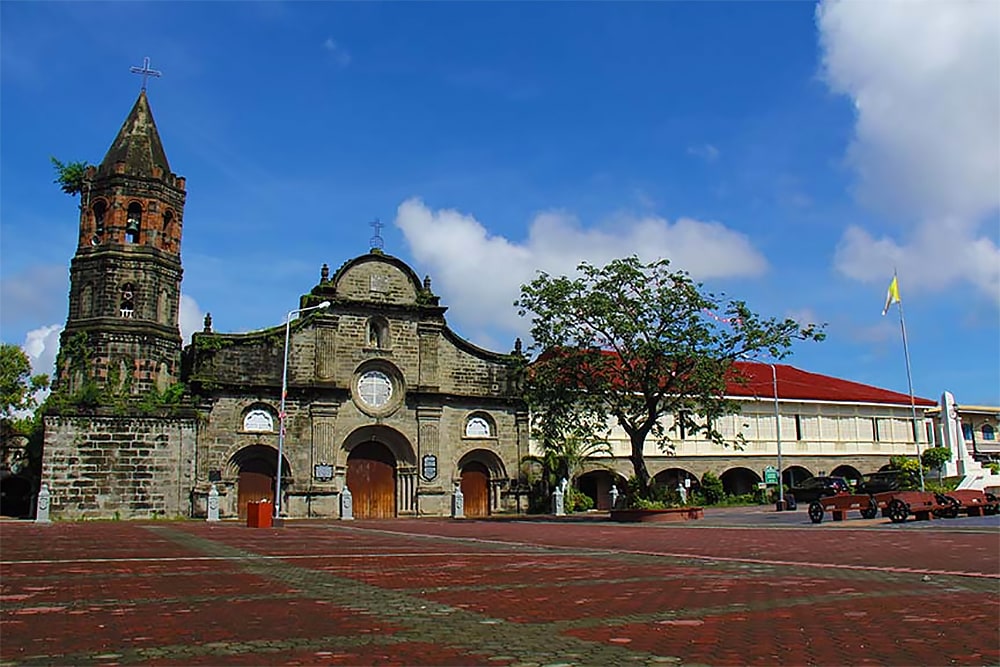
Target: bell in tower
125,277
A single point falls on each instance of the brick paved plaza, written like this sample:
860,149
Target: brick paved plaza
502,592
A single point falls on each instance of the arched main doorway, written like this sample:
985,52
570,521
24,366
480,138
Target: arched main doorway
371,477
476,489
256,470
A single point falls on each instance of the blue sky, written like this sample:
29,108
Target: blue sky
787,153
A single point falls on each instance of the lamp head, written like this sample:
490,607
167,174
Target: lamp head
325,304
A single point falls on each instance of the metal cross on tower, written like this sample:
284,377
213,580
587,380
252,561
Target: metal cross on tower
145,71
376,241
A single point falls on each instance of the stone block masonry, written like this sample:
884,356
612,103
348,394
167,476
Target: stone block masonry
129,467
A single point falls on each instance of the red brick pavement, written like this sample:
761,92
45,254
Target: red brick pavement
495,592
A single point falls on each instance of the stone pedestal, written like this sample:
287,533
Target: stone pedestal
213,504
346,505
558,508
457,504
44,502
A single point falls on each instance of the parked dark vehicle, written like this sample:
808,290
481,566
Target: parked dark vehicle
888,480
815,488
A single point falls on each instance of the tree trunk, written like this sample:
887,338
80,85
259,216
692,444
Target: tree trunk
638,442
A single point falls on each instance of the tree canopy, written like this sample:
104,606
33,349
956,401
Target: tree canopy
17,385
630,343
71,176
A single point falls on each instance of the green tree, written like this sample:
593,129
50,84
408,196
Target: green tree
934,458
634,342
17,385
71,176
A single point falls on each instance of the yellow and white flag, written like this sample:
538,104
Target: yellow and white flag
893,295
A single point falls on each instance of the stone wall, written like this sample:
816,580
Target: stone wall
126,467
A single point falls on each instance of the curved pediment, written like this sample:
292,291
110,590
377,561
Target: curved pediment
379,278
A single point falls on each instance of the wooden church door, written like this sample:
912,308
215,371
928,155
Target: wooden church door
371,477
476,489
253,486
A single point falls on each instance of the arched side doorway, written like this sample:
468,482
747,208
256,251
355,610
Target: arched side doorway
597,485
673,478
848,472
476,489
255,470
793,475
371,477
481,474
739,481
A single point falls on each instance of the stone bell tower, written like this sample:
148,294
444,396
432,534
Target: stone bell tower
122,330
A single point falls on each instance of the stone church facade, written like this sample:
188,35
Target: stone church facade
382,396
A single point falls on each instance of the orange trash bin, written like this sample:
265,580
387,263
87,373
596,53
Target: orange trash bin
265,509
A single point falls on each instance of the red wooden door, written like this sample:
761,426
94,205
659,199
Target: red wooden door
371,477
476,489
253,486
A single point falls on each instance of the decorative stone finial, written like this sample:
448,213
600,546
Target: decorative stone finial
427,283
324,273
517,347
208,323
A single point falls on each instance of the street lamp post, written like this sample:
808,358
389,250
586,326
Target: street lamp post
281,412
777,433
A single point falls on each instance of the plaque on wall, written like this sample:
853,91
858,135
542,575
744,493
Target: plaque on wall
215,475
429,467
323,472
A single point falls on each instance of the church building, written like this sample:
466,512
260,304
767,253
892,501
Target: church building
383,398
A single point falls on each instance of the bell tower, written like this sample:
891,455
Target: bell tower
122,332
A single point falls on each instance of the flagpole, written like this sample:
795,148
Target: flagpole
909,383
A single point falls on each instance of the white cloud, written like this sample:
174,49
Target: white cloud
191,319
925,80
339,54
706,152
480,274
42,345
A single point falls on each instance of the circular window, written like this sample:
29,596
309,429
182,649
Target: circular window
374,389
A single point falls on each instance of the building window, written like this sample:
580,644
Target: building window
989,433
967,432
478,427
875,428
374,389
133,223
798,427
258,420
127,308
100,210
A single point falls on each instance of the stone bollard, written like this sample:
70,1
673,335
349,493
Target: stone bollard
42,509
557,503
346,505
457,503
213,504
613,494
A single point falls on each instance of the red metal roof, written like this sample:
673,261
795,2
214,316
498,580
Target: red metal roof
794,383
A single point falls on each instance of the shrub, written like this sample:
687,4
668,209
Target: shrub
578,501
711,488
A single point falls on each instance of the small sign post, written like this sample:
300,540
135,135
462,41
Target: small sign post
770,475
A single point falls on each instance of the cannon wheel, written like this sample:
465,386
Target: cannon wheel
871,511
815,511
954,506
898,511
